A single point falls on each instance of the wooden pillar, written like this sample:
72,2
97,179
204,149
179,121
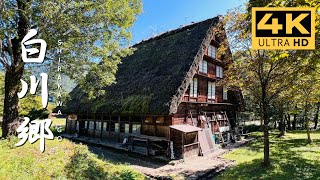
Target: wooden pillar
172,119
119,120
182,144
101,124
130,125
155,124
109,127
65,129
186,115
147,147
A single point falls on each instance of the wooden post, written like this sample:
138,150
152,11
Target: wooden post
130,125
147,147
155,124
65,129
101,126
182,144
119,120
109,128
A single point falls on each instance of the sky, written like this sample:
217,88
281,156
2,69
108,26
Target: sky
162,15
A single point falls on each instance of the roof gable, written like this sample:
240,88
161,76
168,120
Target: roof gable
153,79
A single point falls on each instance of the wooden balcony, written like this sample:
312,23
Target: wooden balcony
200,98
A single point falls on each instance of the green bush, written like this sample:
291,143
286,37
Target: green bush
251,128
31,106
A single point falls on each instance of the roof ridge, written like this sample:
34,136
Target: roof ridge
174,31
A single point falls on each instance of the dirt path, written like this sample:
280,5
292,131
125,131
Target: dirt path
195,168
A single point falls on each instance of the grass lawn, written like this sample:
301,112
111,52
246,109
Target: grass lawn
60,160
291,158
58,121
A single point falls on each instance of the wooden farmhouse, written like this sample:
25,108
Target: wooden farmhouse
167,99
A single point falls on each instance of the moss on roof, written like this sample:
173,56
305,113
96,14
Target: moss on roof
147,80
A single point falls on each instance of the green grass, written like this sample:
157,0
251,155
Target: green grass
58,121
291,158
60,160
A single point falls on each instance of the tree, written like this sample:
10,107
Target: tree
264,74
95,36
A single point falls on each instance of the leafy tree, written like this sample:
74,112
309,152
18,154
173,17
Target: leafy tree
95,36
264,74
31,106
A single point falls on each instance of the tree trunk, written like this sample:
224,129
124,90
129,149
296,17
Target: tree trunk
316,116
266,157
289,122
282,125
306,120
294,122
10,110
15,71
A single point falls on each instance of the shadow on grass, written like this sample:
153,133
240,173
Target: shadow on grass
304,132
290,158
121,157
292,167
83,166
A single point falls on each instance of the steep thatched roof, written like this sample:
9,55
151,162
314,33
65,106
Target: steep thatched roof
153,79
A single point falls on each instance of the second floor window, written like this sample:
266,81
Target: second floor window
211,90
203,67
225,93
212,51
219,72
194,88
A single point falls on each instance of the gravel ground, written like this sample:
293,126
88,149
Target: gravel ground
201,167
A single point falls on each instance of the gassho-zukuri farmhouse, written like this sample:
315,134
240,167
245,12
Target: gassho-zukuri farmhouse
166,100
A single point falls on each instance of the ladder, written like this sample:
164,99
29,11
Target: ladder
215,119
192,119
227,119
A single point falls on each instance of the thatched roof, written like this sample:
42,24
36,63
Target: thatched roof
153,79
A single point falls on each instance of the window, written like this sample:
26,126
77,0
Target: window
116,127
105,126
77,128
126,128
203,67
86,124
136,128
160,119
91,124
98,126
149,119
212,51
219,72
211,90
194,87
225,93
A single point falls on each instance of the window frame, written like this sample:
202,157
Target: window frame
210,51
203,66
224,93
219,71
211,90
193,88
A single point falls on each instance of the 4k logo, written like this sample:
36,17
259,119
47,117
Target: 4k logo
283,28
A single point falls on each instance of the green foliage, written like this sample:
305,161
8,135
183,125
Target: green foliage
95,36
251,128
31,106
84,165
60,160
292,158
